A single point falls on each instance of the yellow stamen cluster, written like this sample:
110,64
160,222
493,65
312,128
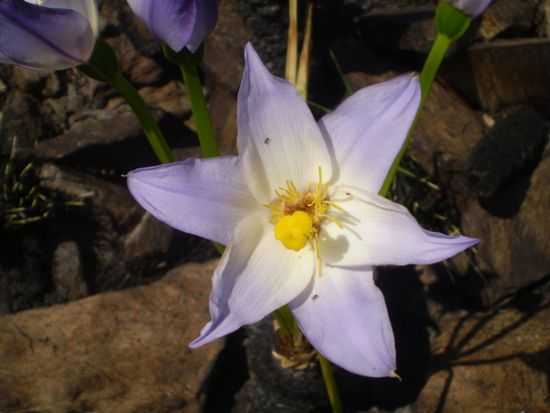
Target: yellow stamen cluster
297,216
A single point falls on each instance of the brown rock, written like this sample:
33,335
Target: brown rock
497,362
67,273
513,228
223,62
511,72
112,128
105,196
506,15
140,69
148,238
117,352
170,98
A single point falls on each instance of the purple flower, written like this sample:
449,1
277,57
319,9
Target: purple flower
299,212
178,23
471,7
47,34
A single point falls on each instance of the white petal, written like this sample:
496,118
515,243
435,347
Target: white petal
377,231
369,128
346,320
278,138
203,197
256,276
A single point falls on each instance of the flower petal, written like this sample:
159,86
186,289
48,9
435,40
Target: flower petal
256,276
377,231
471,7
345,318
178,23
278,138
87,8
207,15
202,197
43,38
172,21
369,128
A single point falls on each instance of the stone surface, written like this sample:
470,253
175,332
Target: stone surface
140,69
110,198
508,16
67,273
123,352
511,72
225,44
512,146
148,238
513,228
497,362
21,123
108,129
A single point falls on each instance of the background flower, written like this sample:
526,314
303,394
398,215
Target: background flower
471,7
47,34
178,23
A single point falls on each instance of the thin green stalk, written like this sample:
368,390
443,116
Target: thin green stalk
427,77
150,127
203,122
291,69
330,384
286,321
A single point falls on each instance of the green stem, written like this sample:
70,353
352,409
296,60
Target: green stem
286,321
427,77
330,384
150,127
205,130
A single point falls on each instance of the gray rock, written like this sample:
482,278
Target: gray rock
512,146
67,273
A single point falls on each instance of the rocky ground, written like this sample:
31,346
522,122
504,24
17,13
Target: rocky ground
99,300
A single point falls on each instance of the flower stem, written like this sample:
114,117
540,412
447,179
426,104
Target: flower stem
286,322
292,42
330,384
427,77
302,77
150,127
103,66
205,129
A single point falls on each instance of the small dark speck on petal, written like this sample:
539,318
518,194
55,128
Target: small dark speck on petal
316,296
267,140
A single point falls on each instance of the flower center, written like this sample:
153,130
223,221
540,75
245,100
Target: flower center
297,216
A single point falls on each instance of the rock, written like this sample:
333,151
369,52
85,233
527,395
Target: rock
113,199
28,80
273,387
494,362
513,228
67,273
141,70
110,141
512,146
400,29
170,98
21,123
225,44
148,238
511,72
508,16
123,352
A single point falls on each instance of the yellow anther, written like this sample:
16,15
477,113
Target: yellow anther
294,230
